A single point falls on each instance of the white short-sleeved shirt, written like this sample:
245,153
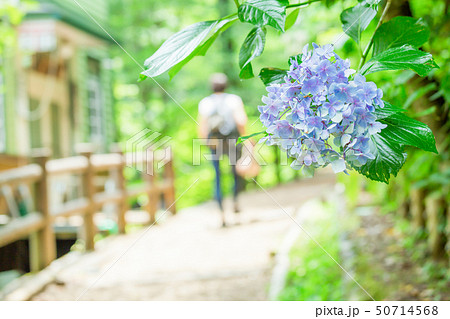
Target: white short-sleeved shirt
229,106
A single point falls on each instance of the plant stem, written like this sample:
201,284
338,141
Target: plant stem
369,45
301,4
236,2
229,16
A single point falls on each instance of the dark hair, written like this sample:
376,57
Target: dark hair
218,82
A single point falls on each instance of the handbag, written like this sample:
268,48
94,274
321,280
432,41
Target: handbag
247,166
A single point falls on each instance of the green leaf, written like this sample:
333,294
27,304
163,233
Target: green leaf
221,27
291,19
401,58
242,139
264,12
252,47
389,158
246,72
386,111
329,3
272,75
356,19
178,47
203,48
141,78
297,58
400,31
388,145
425,112
418,94
404,130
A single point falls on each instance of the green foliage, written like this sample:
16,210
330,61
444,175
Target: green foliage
352,182
445,87
272,75
438,180
389,159
401,58
400,31
10,16
356,19
291,19
407,131
275,75
196,39
252,47
389,143
262,13
242,139
201,50
178,47
395,47
297,58
313,275
418,94
386,111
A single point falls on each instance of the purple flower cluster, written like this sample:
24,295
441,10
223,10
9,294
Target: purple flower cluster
322,114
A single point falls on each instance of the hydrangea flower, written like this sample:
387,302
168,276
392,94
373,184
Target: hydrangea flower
322,113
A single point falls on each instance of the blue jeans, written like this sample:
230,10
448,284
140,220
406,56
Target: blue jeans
218,188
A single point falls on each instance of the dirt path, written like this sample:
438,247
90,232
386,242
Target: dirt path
188,257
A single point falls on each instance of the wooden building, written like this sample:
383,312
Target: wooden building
55,84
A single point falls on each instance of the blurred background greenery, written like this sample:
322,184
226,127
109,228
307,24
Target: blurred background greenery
417,200
146,104
422,184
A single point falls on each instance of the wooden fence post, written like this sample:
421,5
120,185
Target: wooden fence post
90,230
169,194
42,243
148,175
121,184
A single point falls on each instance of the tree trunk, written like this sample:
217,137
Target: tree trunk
227,42
418,207
435,218
437,121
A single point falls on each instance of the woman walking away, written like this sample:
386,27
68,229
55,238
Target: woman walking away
222,120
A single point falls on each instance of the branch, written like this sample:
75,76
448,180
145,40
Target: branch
369,45
301,4
236,2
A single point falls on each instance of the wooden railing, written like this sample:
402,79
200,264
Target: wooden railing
11,161
37,224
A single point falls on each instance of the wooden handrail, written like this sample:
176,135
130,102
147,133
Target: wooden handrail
21,227
38,226
135,158
66,166
25,174
74,207
9,161
105,162
141,157
134,191
105,197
